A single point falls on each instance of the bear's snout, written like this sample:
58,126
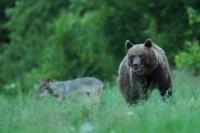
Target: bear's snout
136,67
136,63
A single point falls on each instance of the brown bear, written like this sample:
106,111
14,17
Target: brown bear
144,68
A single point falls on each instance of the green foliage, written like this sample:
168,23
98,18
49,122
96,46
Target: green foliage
25,114
62,48
190,58
83,43
194,17
3,30
65,39
23,58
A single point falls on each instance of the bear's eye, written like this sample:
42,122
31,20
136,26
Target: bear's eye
132,56
130,59
141,56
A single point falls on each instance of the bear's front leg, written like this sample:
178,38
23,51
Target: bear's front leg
165,87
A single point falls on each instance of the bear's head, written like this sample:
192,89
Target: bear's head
142,58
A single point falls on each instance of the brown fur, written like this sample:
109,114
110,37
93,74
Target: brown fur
153,72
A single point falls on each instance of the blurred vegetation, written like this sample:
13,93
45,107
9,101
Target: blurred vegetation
189,58
65,39
25,114
3,30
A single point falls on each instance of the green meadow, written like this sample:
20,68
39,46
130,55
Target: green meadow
180,114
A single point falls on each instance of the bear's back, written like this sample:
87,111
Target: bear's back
162,57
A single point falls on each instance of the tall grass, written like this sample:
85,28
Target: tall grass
26,114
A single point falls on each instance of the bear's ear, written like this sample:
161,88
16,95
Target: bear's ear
148,43
128,44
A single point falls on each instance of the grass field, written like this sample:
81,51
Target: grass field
25,114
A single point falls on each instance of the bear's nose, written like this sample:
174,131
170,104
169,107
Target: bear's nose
136,66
